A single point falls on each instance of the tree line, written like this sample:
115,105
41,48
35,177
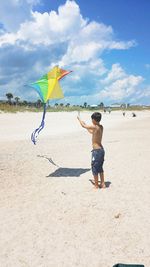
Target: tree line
17,101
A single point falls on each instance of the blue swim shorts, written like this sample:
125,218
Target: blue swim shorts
97,160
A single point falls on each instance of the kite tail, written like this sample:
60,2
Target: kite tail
35,134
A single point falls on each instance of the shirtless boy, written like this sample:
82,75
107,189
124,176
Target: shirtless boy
98,151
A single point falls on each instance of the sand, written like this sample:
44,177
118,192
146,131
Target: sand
50,215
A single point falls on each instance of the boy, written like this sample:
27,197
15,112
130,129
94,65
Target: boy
98,152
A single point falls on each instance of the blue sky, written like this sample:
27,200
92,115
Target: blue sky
106,43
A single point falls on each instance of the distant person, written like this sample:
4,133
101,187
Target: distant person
104,110
96,129
133,114
109,110
123,113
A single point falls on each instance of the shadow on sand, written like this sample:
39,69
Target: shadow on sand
66,172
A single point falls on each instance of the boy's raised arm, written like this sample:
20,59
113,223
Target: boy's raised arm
90,128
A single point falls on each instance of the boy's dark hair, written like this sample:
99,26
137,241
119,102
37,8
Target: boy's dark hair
96,116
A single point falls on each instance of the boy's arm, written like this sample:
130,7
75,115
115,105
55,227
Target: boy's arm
90,128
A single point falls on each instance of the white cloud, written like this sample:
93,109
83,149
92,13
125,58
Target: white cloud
84,40
85,77
115,73
143,93
141,96
15,12
121,45
41,40
91,41
120,85
48,28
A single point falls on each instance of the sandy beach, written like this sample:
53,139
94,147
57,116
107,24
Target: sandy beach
50,215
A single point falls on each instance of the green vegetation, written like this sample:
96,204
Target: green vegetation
14,104
35,107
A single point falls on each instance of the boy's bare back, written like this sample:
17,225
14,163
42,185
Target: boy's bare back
97,136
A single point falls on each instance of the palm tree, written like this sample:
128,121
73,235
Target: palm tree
101,105
68,105
17,100
56,105
39,103
9,97
25,103
85,104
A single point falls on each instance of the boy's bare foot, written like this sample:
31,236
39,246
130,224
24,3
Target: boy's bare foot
102,185
96,187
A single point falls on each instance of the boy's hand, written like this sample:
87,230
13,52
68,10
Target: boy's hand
79,119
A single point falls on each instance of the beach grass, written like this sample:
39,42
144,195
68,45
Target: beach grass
7,108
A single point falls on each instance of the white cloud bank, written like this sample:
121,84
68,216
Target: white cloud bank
72,41
15,12
118,85
85,39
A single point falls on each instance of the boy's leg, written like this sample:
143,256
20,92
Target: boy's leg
102,185
96,181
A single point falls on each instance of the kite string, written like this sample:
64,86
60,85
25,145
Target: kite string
35,134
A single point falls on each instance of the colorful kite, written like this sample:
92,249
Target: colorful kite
48,88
